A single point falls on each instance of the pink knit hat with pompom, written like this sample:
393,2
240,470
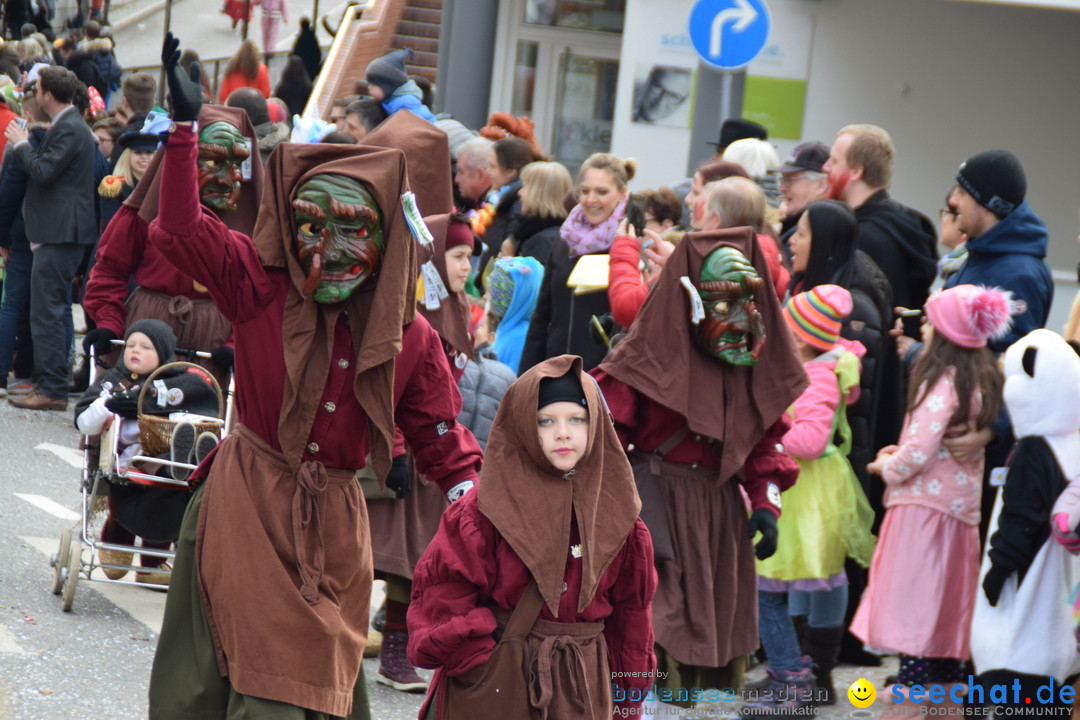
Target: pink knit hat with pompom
969,315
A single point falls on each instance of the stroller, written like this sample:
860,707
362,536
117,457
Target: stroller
103,474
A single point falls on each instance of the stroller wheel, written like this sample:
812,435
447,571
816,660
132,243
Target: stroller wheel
73,567
60,560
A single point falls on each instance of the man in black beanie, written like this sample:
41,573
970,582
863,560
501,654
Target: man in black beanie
1007,241
1006,248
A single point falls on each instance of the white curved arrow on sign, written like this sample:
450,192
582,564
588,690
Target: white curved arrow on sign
741,16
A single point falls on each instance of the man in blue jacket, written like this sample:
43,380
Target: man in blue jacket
1006,248
1007,241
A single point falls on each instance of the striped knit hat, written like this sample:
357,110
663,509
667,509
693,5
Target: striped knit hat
814,316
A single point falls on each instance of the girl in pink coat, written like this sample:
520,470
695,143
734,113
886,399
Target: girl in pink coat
925,572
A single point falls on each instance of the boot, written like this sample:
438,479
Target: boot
801,622
823,646
758,686
395,669
788,693
853,653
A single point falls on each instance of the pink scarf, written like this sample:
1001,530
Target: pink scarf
585,238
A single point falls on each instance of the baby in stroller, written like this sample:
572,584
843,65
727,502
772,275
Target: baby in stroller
151,512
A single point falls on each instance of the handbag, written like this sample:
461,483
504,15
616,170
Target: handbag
497,689
650,489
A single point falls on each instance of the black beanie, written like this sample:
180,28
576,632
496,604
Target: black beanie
995,179
388,72
561,389
160,334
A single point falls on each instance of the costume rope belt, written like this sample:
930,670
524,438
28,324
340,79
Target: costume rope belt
180,308
311,481
541,687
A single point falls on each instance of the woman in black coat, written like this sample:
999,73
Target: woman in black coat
562,322
824,250
511,154
535,230
295,86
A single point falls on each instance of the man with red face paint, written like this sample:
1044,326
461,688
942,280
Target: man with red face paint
902,241
267,612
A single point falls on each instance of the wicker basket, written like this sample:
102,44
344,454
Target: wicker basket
155,432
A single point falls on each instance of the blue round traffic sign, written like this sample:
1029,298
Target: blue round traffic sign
729,34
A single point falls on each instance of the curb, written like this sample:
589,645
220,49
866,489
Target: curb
139,15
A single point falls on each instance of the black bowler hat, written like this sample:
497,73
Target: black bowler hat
139,141
738,129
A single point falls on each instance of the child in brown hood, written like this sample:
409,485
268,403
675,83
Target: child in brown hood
550,540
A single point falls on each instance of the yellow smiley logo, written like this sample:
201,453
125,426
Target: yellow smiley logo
862,693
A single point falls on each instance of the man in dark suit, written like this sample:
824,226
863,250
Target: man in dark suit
60,224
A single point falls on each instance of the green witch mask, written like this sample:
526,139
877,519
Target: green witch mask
222,149
339,236
732,328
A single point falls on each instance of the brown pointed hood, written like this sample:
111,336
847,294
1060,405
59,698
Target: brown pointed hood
428,154
530,502
377,310
660,359
451,318
145,196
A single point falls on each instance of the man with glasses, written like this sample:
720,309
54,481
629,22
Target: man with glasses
802,181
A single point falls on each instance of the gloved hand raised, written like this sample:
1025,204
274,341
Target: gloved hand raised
186,90
763,521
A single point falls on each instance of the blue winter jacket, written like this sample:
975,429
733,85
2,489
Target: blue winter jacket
1012,256
407,97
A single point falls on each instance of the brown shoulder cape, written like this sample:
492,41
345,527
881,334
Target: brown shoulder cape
660,359
428,154
144,198
451,318
308,327
530,502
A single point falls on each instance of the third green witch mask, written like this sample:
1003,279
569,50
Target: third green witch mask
339,236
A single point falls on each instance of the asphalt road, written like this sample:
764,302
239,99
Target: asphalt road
201,26
92,663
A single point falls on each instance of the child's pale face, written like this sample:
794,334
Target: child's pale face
563,428
927,331
458,267
376,92
140,356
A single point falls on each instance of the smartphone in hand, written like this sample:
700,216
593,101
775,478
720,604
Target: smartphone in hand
635,213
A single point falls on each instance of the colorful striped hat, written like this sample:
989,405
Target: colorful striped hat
814,316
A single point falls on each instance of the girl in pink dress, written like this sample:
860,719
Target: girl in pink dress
274,13
925,572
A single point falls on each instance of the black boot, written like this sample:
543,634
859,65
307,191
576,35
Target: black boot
853,653
823,645
801,622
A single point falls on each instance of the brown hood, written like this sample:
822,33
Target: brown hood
530,502
145,197
451,318
428,154
308,326
660,359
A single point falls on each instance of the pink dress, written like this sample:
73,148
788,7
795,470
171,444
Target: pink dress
274,14
925,573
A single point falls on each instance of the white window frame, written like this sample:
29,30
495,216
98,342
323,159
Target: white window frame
551,42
